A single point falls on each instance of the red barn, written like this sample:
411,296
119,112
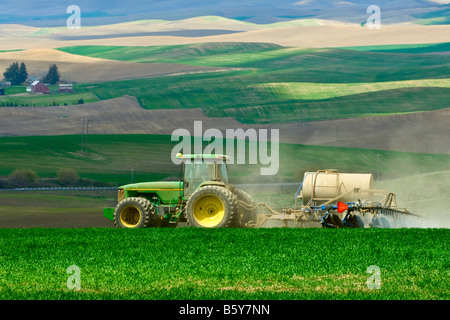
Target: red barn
39,87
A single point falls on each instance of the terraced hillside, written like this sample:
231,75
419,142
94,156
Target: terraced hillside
77,68
421,132
281,84
302,92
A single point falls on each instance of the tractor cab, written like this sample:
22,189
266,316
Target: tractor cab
200,169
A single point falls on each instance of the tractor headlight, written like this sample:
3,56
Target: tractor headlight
120,195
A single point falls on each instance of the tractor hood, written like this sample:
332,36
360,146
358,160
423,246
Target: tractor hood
154,186
166,191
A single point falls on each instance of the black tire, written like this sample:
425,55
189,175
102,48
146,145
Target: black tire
246,217
354,221
135,212
211,207
332,221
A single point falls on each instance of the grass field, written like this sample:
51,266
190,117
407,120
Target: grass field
252,101
347,64
274,83
111,158
281,84
406,48
319,91
263,264
434,17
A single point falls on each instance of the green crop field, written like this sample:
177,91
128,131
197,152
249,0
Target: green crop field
110,158
256,101
273,83
188,263
307,64
434,17
405,48
279,84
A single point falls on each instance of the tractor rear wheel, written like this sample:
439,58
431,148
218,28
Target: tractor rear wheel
134,212
211,207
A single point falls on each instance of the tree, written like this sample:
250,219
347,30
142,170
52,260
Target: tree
16,74
23,178
68,176
23,73
12,74
52,76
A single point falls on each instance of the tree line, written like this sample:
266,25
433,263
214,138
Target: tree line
18,74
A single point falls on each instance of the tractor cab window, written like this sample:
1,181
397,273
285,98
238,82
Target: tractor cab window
203,171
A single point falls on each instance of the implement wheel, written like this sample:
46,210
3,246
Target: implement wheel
354,221
332,221
247,216
134,213
211,207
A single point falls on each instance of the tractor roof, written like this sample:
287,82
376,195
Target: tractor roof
203,156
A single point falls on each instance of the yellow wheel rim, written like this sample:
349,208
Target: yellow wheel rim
209,211
130,216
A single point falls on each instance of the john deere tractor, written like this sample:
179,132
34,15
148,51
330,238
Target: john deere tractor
203,198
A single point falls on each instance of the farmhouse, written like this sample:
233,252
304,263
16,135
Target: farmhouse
65,88
39,87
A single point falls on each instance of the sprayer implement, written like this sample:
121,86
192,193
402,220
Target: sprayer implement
204,198
321,197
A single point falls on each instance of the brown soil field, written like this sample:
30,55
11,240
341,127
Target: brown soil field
75,68
116,116
422,132
44,219
317,35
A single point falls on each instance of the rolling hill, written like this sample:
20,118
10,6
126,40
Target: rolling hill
421,132
53,13
77,68
305,32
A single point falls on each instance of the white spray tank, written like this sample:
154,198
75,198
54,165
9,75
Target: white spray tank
325,185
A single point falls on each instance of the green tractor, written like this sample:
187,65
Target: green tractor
203,198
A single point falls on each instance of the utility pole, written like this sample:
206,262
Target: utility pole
84,135
87,134
337,132
378,166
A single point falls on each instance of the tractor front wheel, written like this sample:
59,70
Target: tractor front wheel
134,212
211,207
